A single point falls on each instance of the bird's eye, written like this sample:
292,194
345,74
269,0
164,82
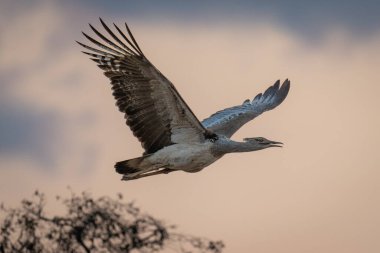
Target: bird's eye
260,139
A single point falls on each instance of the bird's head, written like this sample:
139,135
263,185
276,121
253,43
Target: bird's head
261,142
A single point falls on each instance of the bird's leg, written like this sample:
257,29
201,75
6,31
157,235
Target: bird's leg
163,171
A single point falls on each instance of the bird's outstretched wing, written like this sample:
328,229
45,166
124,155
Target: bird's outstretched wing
226,122
154,110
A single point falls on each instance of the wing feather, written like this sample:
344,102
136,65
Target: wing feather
116,38
127,40
154,110
104,47
109,42
228,121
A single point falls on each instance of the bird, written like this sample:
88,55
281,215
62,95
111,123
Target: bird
172,136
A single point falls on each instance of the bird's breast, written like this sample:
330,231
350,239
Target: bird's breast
186,157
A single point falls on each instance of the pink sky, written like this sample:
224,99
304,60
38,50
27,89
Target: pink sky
320,193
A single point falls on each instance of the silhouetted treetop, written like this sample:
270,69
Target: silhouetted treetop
92,225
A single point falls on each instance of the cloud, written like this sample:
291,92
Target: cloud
25,39
28,133
39,84
310,19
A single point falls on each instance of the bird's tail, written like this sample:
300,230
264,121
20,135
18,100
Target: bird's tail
134,166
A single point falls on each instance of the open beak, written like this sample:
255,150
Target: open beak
276,144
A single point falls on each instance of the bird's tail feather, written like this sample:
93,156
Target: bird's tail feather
132,166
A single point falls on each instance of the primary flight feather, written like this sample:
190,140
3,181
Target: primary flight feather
171,135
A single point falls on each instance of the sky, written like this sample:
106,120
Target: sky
59,126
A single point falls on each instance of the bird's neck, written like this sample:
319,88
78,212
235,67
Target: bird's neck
229,146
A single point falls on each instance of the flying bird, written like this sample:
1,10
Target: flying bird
171,135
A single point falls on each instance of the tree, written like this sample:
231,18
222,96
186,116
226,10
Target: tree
92,226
